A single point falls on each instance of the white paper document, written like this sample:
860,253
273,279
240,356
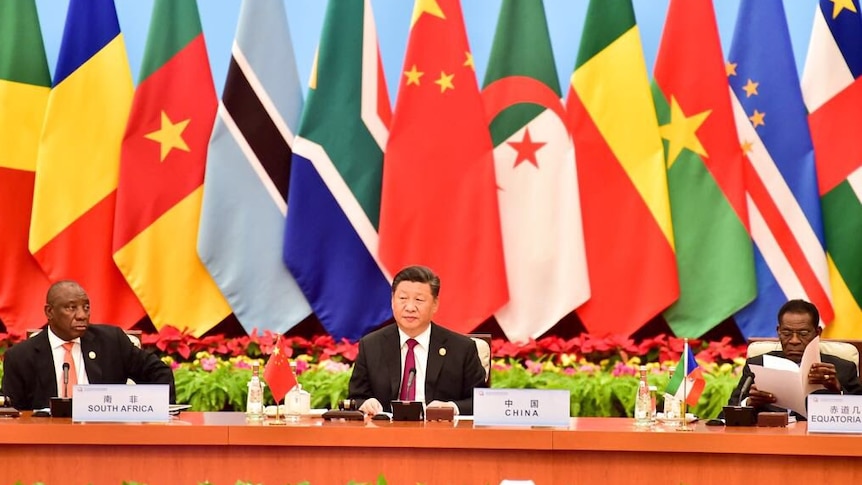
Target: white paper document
787,381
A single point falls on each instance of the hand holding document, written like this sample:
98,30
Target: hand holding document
787,381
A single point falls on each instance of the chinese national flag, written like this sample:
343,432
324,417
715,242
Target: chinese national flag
439,198
278,374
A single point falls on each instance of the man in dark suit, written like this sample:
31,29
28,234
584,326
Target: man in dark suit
101,354
445,365
798,325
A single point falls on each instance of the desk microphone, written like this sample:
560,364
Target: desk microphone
65,380
410,378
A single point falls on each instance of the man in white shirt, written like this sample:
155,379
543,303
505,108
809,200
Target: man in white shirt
444,367
33,370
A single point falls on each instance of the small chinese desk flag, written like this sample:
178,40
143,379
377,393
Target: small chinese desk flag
278,373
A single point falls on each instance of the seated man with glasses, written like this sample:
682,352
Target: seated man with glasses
798,324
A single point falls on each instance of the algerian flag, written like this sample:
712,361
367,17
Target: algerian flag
540,212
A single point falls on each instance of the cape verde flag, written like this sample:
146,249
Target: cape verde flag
783,202
331,237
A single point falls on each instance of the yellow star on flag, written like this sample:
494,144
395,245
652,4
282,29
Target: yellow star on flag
413,75
757,118
746,147
469,61
445,81
730,68
170,135
839,5
430,7
750,88
681,132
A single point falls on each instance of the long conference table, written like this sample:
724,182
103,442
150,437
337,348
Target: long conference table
223,448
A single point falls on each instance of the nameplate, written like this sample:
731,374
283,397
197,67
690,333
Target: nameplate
521,407
120,403
834,413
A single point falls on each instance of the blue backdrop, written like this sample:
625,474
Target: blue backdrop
565,18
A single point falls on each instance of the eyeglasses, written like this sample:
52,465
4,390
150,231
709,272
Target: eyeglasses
799,333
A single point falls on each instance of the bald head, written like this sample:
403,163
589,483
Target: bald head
67,308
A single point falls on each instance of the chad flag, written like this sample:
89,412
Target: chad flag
78,161
162,173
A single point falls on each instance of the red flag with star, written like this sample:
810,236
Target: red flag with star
162,171
439,202
278,374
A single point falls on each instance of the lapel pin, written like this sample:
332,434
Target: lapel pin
443,351
91,355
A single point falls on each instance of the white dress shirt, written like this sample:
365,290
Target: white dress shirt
59,354
420,355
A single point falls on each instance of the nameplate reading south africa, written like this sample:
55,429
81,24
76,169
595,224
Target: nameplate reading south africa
120,403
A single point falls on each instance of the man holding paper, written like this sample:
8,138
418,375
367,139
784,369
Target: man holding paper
798,326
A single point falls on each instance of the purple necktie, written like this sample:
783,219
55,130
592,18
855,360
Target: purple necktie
408,382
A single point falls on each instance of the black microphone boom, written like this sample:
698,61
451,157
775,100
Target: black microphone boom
65,380
743,391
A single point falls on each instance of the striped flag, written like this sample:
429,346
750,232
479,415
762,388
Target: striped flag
832,89
783,202
79,161
705,170
247,174
162,172
439,202
331,237
540,211
621,171
24,86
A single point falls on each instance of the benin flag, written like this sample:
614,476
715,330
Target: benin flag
439,199
540,209
24,87
832,89
626,211
705,172
162,173
79,160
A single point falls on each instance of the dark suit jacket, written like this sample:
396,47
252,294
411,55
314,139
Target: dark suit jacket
30,381
450,377
845,370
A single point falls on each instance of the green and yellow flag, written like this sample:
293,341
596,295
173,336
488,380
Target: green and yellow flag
24,86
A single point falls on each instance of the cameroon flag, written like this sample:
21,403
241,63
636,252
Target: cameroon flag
162,173
626,211
705,172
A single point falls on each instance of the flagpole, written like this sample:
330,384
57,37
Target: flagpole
684,408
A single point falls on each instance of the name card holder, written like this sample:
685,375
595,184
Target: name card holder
834,413
521,407
121,403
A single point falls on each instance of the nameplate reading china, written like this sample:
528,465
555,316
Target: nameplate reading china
521,407
834,413
120,403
